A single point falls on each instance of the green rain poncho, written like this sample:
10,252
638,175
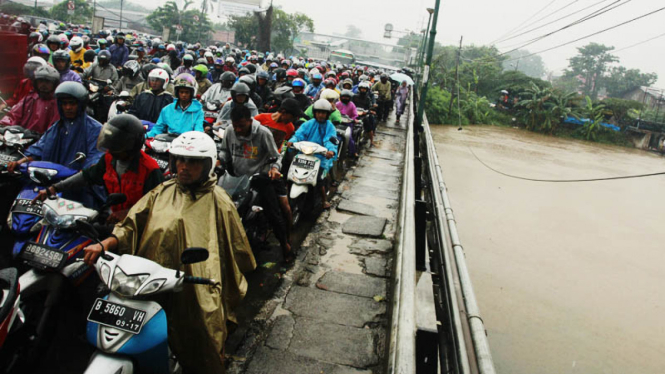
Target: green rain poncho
159,227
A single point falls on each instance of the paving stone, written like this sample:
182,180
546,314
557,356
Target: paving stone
353,284
390,155
372,169
355,207
392,178
281,333
357,193
333,307
365,247
333,343
269,361
364,183
376,266
364,225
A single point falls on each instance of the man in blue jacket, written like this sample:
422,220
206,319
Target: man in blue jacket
74,132
119,51
185,114
319,130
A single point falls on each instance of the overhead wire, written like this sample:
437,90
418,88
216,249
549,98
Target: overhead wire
638,43
525,21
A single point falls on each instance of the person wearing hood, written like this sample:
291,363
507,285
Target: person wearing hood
148,104
183,115
119,51
190,210
26,86
38,109
61,61
239,96
186,67
75,132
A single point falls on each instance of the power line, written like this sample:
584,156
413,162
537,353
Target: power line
508,37
551,22
525,21
639,43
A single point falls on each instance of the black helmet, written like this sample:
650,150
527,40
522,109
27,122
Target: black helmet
61,55
249,81
47,73
244,71
71,89
53,39
263,75
280,73
239,89
123,133
228,76
104,55
146,69
89,55
251,68
283,93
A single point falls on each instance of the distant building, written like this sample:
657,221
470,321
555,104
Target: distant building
652,98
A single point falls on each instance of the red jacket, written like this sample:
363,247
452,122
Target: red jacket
24,87
132,181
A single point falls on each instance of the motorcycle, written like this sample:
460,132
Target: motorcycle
211,111
99,98
359,128
158,148
10,313
302,177
128,329
13,139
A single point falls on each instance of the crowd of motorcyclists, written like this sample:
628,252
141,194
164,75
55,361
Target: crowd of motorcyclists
104,95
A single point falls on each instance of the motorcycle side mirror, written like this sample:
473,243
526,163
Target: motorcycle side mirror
334,140
193,255
80,156
43,179
86,229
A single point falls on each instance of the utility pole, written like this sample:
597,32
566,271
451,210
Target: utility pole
423,45
121,3
452,93
430,49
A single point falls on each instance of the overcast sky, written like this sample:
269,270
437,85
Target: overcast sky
483,21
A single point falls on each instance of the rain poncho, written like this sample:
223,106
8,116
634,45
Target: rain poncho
159,227
119,54
69,76
33,113
320,133
147,106
174,120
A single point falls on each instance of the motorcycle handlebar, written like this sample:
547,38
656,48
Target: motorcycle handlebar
199,280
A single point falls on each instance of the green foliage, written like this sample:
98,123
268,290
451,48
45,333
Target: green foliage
590,65
595,113
621,80
285,28
82,13
544,109
171,15
18,9
436,105
411,40
126,5
619,108
532,66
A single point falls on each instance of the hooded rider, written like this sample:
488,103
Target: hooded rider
191,211
61,61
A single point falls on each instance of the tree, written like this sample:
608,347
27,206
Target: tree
590,66
16,9
82,12
246,29
169,16
285,28
410,40
532,66
619,108
595,114
353,31
621,80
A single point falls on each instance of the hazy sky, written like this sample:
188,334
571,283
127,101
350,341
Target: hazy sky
483,21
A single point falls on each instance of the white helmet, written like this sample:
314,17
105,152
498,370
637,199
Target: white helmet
195,144
159,74
76,44
230,59
329,94
208,54
322,105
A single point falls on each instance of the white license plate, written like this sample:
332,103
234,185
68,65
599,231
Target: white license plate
118,316
42,257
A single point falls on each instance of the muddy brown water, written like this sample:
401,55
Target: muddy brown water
570,278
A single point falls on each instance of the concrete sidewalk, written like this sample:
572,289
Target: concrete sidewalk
330,313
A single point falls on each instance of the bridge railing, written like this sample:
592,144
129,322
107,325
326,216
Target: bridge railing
436,325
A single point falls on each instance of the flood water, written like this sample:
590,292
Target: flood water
570,277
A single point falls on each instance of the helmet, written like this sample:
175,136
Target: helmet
101,42
89,55
208,54
363,78
31,65
239,88
159,74
133,66
249,80
298,83
47,72
120,35
64,40
346,93
61,55
104,55
53,39
263,75
37,36
185,80
123,133
280,74
317,76
274,65
347,81
292,73
40,49
188,57
331,74
76,44
283,93
178,44
230,59
322,105
170,47
198,145
364,84
219,61
244,71
329,94
146,69
251,68
384,76
166,68
202,69
228,76
72,89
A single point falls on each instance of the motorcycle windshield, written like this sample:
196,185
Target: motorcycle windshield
234,186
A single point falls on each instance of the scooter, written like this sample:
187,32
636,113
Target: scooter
10,313
13,139
158,148
302,177
128,328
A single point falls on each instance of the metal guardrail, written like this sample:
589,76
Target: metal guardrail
427,238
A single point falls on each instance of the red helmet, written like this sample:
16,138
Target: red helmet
292,73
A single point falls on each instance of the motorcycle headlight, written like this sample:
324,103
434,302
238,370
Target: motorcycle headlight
65,221
307,150
126,285
160,146
153,286
93,88
49,172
